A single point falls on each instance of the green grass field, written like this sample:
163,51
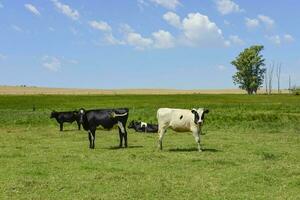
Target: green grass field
251,150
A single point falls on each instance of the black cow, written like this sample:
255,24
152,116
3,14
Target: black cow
107,118
143,127
70,117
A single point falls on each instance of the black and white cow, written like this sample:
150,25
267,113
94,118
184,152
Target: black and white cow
143,127
181,120
69,116
107,118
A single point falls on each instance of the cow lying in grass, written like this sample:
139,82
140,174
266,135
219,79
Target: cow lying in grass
143,127
107,118
181,120
70,117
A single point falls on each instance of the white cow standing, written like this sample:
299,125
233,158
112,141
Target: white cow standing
181,120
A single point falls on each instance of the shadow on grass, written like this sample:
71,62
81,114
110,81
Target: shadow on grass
194,149
68,130
129,147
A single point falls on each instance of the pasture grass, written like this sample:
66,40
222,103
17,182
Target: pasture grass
251,150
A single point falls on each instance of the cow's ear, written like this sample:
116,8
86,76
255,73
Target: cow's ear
194,111
206,111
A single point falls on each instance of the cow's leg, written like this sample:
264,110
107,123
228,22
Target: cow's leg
121,137
90,138
161,133
196,134
93,138
125,138
61,126
78,124
122,133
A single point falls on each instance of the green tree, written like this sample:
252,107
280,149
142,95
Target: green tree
250,69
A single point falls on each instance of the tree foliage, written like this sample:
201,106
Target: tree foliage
250,69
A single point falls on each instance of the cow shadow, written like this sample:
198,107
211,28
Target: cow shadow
194,149
129,147
70,130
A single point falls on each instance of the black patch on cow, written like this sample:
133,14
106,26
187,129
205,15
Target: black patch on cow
206,111
196,118
181,117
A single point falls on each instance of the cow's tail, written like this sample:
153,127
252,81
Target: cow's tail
119,115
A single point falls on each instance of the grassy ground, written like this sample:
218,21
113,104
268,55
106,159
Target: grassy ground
251,150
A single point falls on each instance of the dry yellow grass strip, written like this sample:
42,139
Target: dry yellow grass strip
17,90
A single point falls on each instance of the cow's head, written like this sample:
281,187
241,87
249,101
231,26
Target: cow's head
199,115
53,114
80,115
131,124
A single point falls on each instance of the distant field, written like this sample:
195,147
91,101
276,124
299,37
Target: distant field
251,150
39,90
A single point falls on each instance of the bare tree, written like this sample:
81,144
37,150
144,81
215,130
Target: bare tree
266,80
290,84
270,76
278,74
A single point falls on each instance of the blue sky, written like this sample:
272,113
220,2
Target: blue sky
142,43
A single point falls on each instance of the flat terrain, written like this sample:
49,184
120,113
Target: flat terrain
251,150
17,90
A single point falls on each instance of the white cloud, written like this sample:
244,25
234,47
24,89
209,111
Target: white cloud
125,28
51,63
275,39
261,19
251,23
198,30
106,28
195,30
173,19
236,40
279,40
169,4
31,8
135,39
163,39
16,28
288,38
66,10
269,23
138,41
227,6
100,25
110,39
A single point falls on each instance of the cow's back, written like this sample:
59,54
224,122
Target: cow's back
176,119
103,117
